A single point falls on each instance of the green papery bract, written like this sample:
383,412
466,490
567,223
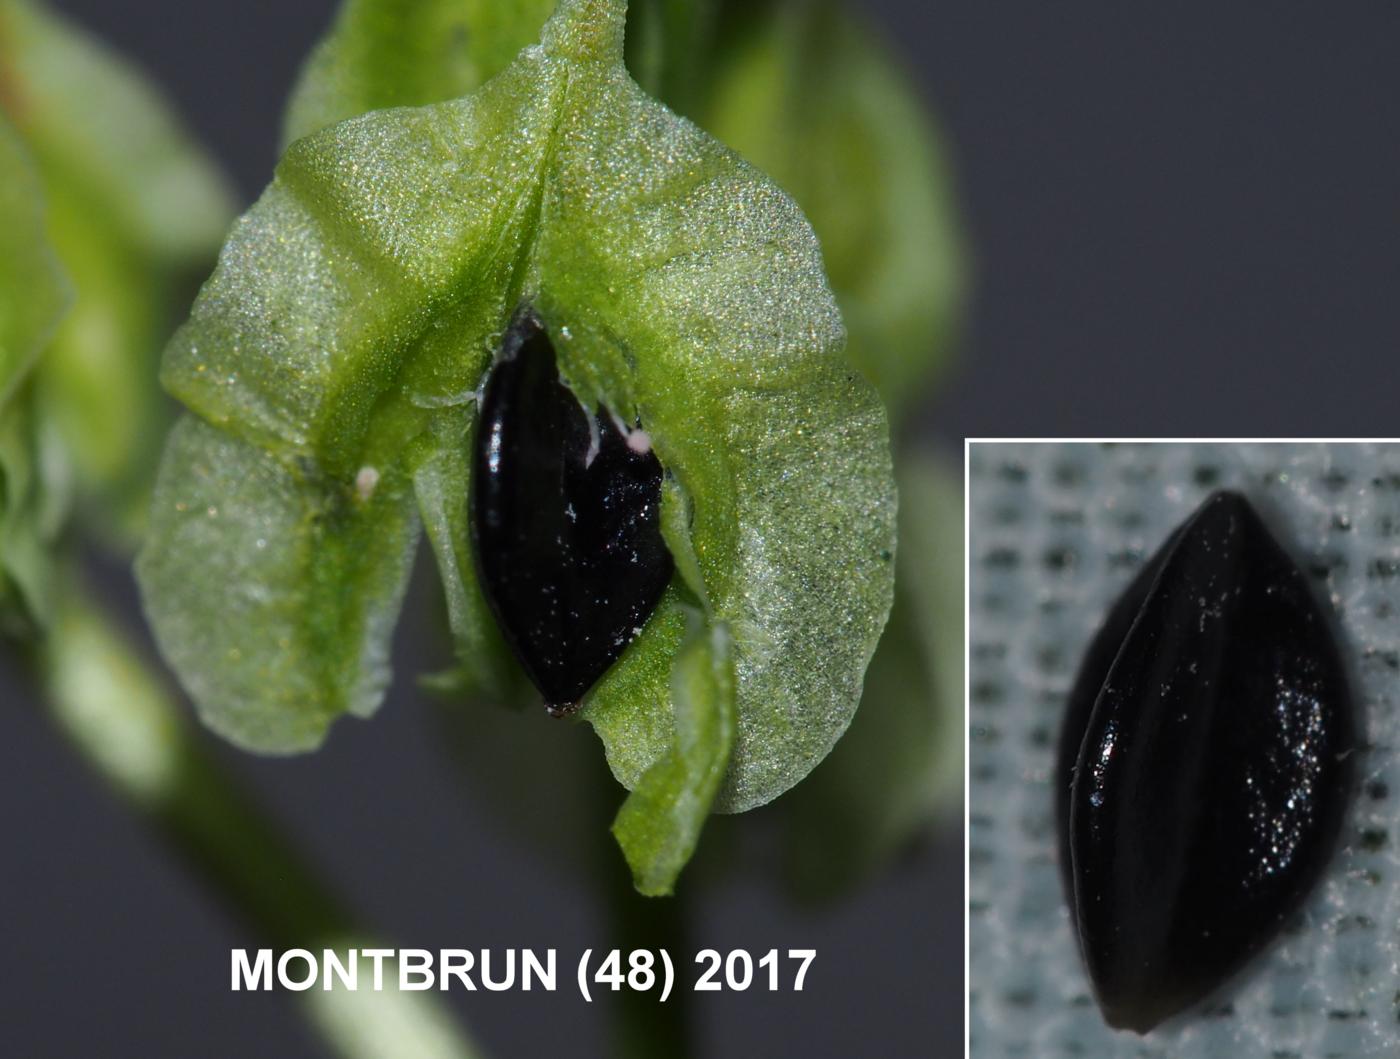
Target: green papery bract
659,823
335,353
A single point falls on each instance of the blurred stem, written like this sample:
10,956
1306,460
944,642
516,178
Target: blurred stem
121,718
669,46
643,1026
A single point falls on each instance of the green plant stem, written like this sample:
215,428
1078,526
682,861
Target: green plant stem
644,1027
119,716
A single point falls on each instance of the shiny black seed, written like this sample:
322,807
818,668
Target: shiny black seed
1203,768
566,521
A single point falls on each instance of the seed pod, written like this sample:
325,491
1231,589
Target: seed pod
1203,769
566,521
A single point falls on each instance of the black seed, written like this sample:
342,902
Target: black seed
566,522
1203,769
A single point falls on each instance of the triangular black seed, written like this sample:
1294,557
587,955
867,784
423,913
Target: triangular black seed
1204,767
566,522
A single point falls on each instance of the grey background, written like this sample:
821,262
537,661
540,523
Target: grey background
109,947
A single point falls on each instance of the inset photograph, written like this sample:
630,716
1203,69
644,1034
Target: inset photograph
1184,673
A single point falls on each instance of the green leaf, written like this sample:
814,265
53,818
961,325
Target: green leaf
96,383
816,101
33,296
356,307
659,824
134,206
98,126
29,521
900,767
405,53
33,292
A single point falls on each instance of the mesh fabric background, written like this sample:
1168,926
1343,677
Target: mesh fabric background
1056,532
